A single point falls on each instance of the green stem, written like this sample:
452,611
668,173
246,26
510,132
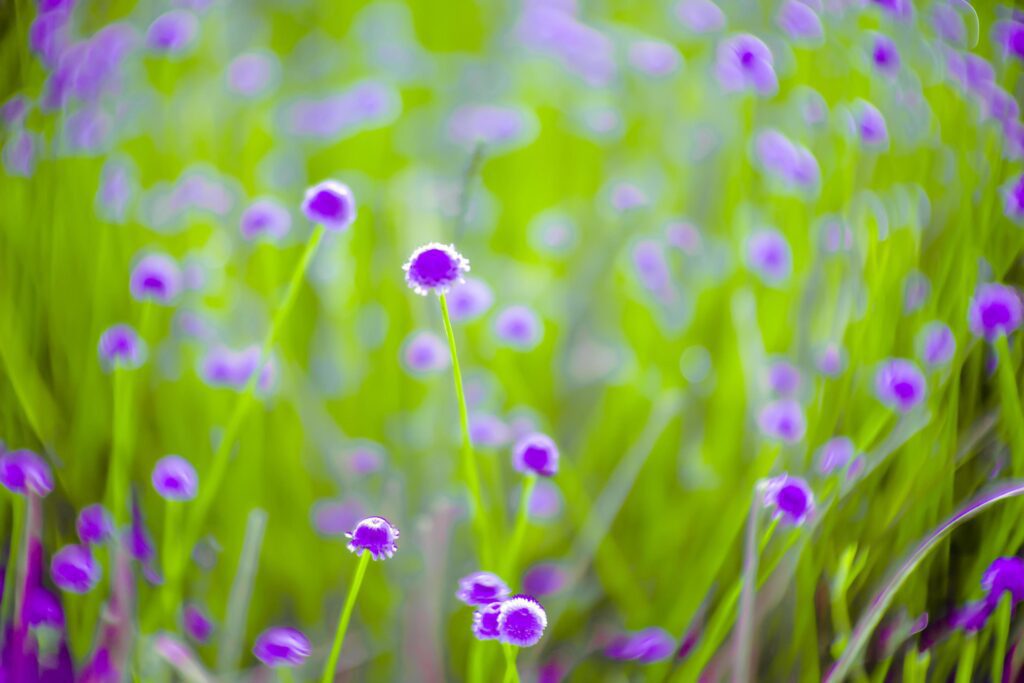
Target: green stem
965,667
468,457
745,619
171,515
346,615
17,546
522,519
511,672
1001,635
118,476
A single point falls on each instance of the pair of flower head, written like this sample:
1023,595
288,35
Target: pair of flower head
517,620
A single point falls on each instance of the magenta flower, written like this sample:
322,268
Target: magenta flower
936,344
435,268
831,360
788,498
481,589
43,609
281,646
782,420
173,32
485,622
330,204
425,352
1004,575
469,300
265,218
537,454
521,621
94,525
885,57
835,454
374,535
174,478
700,16
1009,35
995,310
899,384
518,327
768,255
197,624
800,22
121,347
24,472
74,570
157,278
743,63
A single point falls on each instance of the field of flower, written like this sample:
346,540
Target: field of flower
529,340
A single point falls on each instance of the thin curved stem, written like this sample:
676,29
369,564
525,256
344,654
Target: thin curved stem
346,615
745,621
511,672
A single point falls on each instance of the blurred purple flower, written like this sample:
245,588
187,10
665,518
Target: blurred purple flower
994,310
485,622
651,267
627,196
518,327
281,646
545,500
1004,575
647,646
172,32
769,256
916,288
226,367
783,378
435,268
156,277
252,73
469,299
700,16
74,570
744,62
481,589
545,578
374,535
175,479
936,344
20,154
948,24
121,347
265,218
521,621
897,9
834,454
654,57
899,384
782,420
1008,34
336,518
535,453
197,624
581,49
425,352
799,21
94,525
487,123
43,609
1013,199
330,204
884,55
870,125
24,472
488,430
831,360
788,498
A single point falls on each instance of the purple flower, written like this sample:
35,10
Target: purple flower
74,570
831,360
156,277
972,617
545,501
521,621
835,454
225,367
700,16
24,472
121,347
1009,35
654,57
1004,575
435,268
425,352
627,196
936,344
885,57
366,459
172,32
488,430
790,163
995,310
870,125
481,589
535,453
375,535
43,609
782,420
799,21
197,624
789,498
545,578
769,256
20,154
487,123
266,218
485,622
647,646
783,378
651,267
330,204
683,236
94,524
916,288
1013,199
335,518
469,299
518,327
744,62
175,479
281,646
899,384
898,9
250,74
948,23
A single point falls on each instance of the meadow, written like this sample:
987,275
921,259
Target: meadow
527,340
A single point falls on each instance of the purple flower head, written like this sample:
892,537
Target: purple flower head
265,218
335,518
743,63
74,570
683,236
995,309
94,524
225,367
375,535
250,74
1013,199
330,204
425,352
488,124
545,578
870,125
281,646
800,22
885,57
156,277
1009,35
936,344
897,9
700,16
831,360
627,197
916,288
175,479
545,501
972,617
518,327
19,154
651,267
769,256
481,589
535,453
997,103
435,268
521,621
365,459
948,23
647,646
654,57
790,163
899,384
121,347
173,32
783,378
24,472
782,420
1004,575
835,454
488,430
87,130
197,624
485,622
788,498
43,609
469,299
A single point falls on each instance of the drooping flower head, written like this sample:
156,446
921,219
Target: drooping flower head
435,268
936,344
24,472
769,256
265,218
481,589
744,62
375,535
835,454
485,622
788,498
521,621
1004,575
94,524
800,22
174,478
74,570
537,454
899,384
995,310
121,347
782,420
282,646
425,352
518,327
330,204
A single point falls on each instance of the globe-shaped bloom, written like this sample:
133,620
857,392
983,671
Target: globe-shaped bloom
545,578
251,74
374,535
936,344
744,62
24,472
435,268
485,622
782,420
121,347
469,300
172,32
1004,575
174,478
265,218
281,646
994,310
769,255
885,57
74,570
94,524
518,327
481,589
899,384
835,454
156,277
537,454
788,498
783,378
521,621
330,204
425,352
870,125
